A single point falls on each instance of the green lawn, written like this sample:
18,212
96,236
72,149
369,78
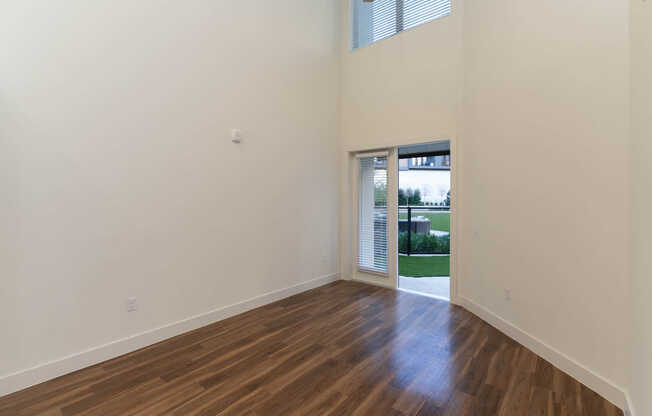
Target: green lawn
440,221
418,266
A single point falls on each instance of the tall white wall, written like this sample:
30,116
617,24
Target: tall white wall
543,180
118,178
641,52
546,158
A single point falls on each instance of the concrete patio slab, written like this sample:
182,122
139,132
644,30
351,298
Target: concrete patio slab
434,286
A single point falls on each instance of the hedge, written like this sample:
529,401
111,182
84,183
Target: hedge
424,243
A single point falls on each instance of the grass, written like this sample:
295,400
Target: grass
418,266
440,221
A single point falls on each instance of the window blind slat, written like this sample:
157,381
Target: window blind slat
380,19
383,18
421,11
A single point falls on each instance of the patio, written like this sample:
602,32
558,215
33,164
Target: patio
433,286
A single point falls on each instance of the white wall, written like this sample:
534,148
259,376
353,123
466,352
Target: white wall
641,380
118,177
401,90
542,136
545,136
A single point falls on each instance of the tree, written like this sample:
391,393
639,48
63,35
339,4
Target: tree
402,197
380,194
409,197
414,197
447,202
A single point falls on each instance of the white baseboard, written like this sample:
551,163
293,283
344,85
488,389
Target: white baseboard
595,382
22,379
629,411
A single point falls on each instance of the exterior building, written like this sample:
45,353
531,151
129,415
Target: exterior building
426,163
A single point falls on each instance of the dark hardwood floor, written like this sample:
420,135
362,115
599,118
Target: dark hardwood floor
342,349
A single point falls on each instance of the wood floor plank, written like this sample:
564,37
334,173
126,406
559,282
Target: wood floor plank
342,349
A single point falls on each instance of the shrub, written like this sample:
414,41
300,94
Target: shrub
402,197
424,243
409,197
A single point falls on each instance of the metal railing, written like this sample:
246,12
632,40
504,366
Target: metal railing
413,227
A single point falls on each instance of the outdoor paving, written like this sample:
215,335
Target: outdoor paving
439,233
436,286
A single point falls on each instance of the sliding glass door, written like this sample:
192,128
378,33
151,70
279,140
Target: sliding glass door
403,235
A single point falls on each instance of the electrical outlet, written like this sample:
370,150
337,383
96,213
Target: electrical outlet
508,294
131,304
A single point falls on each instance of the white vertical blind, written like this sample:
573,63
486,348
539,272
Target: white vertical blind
372,235
379,19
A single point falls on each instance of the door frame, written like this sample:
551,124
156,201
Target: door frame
389,279
349,221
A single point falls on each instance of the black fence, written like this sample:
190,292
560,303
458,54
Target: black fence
415,234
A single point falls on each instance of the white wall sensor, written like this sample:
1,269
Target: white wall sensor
236,136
